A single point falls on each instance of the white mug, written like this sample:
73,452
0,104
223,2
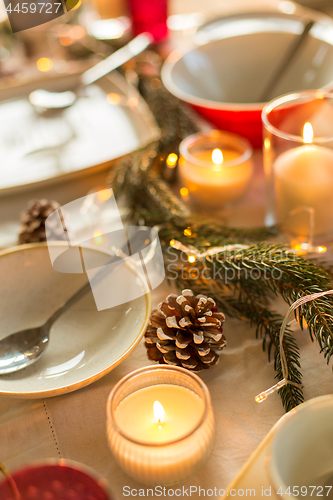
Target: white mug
301,463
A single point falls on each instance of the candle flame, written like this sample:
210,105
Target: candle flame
307,133
217,156
158,412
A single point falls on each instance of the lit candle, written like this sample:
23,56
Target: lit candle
303,177
161,427
215,168
173,415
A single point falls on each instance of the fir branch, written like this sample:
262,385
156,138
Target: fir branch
268,325
241,304
205,233
241,282
296,278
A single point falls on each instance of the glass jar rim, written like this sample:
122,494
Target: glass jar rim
232,138
124,380
289,99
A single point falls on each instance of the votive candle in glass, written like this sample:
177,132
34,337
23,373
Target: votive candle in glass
298,161
160,424
215,167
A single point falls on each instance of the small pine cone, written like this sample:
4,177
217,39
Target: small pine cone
185,331
33,221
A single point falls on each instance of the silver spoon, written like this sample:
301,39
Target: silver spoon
21,349
58,100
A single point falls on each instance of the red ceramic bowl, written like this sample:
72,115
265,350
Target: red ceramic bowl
226,77
55,481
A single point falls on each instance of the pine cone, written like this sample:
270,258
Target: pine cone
33,220
185,331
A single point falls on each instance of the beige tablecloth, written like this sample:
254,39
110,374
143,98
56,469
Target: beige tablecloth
73,426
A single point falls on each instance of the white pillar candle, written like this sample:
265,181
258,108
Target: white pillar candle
216,168
303,177
160,424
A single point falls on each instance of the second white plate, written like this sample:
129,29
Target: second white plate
108,120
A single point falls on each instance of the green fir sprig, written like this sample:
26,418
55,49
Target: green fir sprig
242,282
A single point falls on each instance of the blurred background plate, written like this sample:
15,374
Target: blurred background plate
108,121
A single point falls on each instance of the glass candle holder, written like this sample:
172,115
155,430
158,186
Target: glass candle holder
215,167
54,480
298,162
160,424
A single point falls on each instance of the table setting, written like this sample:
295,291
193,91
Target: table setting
166,250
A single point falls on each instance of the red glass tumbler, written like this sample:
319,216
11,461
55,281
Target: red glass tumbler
149,16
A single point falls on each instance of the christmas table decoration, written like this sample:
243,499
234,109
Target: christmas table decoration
185,331
160,424
298,159
299,302
215,167
241,269
33,219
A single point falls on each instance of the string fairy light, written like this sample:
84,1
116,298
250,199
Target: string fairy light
194,254
192,251
299,302
184,191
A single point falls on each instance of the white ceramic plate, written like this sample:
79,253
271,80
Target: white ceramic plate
84,344
109,120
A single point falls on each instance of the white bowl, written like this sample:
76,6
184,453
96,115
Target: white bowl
302,451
